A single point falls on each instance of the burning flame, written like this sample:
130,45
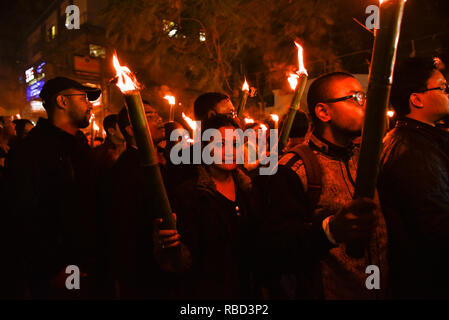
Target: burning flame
189,121
96,127
245,86
249,120
382,1
170,99
92,117
126,80
390,113
301,68
263,127
18,116
274,117
293,80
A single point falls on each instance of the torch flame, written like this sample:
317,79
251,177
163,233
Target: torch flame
126,79
189,121
249,120
301,68
293,80
245,86
170,99
390,113
263,127
96,127
382,1
274,117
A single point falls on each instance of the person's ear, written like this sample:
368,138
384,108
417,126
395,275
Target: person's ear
322,112
129,131
211,113
61,102
416,101
111,131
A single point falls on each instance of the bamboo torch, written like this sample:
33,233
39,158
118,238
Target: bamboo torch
242,104
379,85
297,83
130,88
171,101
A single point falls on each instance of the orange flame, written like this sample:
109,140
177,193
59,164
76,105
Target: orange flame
170,99
245,86
263,127
293,80
301,68
96,127
126,79
382,1
249,120
189,121
274,117
390,113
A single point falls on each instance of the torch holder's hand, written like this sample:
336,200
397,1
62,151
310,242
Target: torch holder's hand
354,222
171,254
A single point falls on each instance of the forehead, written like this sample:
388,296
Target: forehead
436,79
226,103
340,87
149,109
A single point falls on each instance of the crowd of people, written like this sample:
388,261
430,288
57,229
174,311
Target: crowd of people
298,233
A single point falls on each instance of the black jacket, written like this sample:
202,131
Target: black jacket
214,229
50,183
414,191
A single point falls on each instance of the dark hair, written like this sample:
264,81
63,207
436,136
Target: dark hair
319,91
410,76
109,122
300,125
20,127
206,102
123,122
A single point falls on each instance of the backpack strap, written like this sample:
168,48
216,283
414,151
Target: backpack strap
313,172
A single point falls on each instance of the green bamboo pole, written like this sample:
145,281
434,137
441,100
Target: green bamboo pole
379,86
294,106
148,155
242,103
380,80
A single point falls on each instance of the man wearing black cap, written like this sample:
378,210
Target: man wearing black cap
50,184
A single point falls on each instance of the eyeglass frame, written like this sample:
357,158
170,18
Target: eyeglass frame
445,90
354,95
77,94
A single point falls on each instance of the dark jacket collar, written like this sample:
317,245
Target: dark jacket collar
434,134
205,182
329,149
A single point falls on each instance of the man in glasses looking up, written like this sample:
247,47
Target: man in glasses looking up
414,182
308,217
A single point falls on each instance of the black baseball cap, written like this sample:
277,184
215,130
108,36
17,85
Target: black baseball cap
53,86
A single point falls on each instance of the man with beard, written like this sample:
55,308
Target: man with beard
50,187
308,221
414,182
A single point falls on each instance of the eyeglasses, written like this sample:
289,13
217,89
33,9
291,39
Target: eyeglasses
359,97
77,94
444,87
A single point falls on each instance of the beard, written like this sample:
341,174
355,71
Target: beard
81,121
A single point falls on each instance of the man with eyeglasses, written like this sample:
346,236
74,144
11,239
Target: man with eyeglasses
414,182
51,189
308,219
